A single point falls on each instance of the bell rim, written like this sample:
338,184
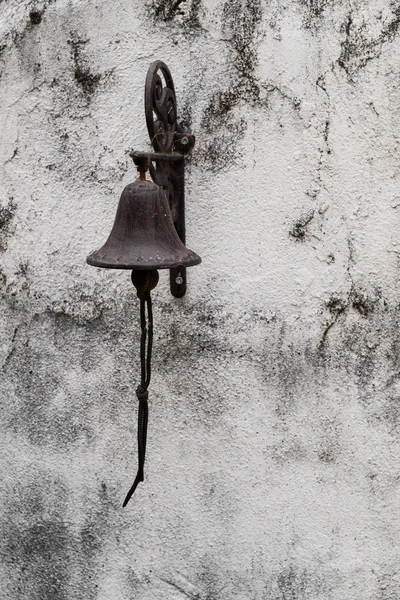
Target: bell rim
134,266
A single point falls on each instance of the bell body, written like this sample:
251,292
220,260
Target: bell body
143,236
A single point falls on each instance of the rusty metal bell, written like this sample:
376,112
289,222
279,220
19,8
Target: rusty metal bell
143,236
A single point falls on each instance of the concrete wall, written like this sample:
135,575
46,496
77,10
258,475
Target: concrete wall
273,467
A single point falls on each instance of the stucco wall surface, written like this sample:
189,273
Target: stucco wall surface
273,468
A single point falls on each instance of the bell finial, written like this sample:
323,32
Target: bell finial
142,163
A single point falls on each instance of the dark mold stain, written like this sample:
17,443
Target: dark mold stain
185,118
3,278
240,22
209,578
6,216
186,346
220,105
87,81
365,350
288,369
326,136
388,581
45,558
299,230
361,303
222,150
359,48
204,340
295,583
40,554
34,415
35,16
292,584
314,11
389,413
99,526
36,543
18,291
337,306
169,10
328,454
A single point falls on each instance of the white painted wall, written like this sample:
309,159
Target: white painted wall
273,455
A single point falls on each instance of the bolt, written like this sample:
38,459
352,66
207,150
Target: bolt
184,141
179,280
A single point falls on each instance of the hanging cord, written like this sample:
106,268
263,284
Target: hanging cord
144,281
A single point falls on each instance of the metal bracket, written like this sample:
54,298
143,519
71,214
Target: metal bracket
166,164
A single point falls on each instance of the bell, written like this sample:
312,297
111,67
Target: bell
143,236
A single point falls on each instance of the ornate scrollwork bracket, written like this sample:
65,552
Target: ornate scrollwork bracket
170,143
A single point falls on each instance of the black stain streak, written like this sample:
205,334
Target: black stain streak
295,583
3,278
358,47
183,347
35,16
240,22
36,544
180,589
40,553
189,12
361,303
337,306
6,217
92,536
210,580
44,557
328,454
315,10
34,414
365,349
167,9
326,136
87,81
390,413
299,230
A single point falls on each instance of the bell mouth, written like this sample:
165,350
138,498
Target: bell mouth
100,259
